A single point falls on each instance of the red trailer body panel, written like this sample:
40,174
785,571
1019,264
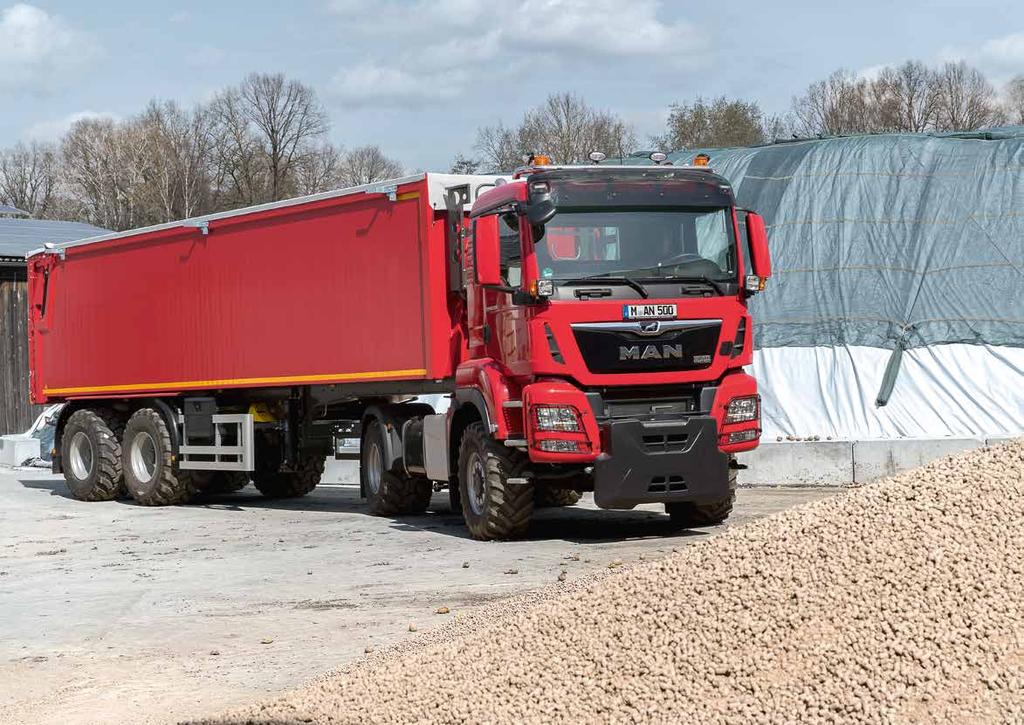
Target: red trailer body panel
303,294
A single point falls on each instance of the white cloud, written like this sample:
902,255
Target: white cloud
55,130
1007,51
39,50
492,39
1000,58
370,84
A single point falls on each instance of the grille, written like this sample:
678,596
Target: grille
608,349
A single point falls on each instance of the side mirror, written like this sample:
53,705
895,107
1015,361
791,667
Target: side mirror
760,260
541,211
486,250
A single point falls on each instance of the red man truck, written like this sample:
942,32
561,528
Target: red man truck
588,325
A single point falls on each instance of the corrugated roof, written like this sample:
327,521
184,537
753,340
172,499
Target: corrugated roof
8,209
18,237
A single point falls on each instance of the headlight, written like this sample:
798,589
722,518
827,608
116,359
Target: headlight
561,418
741,410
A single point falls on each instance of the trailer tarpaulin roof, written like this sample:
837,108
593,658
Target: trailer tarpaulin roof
896,241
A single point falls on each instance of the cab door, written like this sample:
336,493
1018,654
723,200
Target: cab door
510,320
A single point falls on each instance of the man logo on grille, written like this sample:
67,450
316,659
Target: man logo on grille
651,352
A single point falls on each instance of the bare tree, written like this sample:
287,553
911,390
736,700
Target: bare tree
717,123
107,165
464,165
28,177
911,96
967,100
1015,100
564,127
367,164
499,148
266,126
180,143
319,170
238,166
837,105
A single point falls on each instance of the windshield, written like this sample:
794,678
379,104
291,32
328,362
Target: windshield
640,244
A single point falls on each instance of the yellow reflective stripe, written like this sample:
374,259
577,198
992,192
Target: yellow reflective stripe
408,195
330,378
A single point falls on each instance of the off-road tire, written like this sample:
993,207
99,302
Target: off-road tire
291,484
222,482
397,494
709,513
169,485
102,428
506,509
547,497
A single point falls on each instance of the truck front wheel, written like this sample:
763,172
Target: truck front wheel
388,493
493,507
691,513
148,462
91,452
556,497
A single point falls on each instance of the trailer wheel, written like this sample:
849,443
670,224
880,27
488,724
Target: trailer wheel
492,507
148,462
545,497
389,493
291,484
691,513
91,449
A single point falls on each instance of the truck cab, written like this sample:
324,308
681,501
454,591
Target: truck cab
606,334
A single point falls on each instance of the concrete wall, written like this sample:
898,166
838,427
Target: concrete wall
844,463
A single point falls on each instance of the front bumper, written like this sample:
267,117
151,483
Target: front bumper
660,461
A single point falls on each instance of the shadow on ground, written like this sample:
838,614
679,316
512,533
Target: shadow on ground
573,524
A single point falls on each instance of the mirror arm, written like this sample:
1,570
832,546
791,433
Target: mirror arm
519,296
500,288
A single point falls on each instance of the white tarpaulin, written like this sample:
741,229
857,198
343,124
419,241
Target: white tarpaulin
943,390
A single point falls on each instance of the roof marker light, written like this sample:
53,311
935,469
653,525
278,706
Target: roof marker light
701,160
597,157
539,160
657,156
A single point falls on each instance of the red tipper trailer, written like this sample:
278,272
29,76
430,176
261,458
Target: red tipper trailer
334,288
588,326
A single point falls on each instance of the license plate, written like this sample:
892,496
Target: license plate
648,312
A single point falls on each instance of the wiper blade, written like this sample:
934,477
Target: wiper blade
717,284
629,282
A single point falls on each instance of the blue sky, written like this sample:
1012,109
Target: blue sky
418,77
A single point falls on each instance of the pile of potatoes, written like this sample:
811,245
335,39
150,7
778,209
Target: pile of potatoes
899,601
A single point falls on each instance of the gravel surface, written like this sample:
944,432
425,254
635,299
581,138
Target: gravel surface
899,601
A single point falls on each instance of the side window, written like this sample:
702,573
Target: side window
511,249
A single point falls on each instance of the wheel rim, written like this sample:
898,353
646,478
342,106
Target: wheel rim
476,483
374,468
81,456
143,457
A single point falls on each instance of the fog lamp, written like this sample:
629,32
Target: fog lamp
552,445
741,410
742,436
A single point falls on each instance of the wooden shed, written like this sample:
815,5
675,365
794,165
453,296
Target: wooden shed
20,235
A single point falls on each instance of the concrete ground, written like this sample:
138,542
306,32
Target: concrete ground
112,612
